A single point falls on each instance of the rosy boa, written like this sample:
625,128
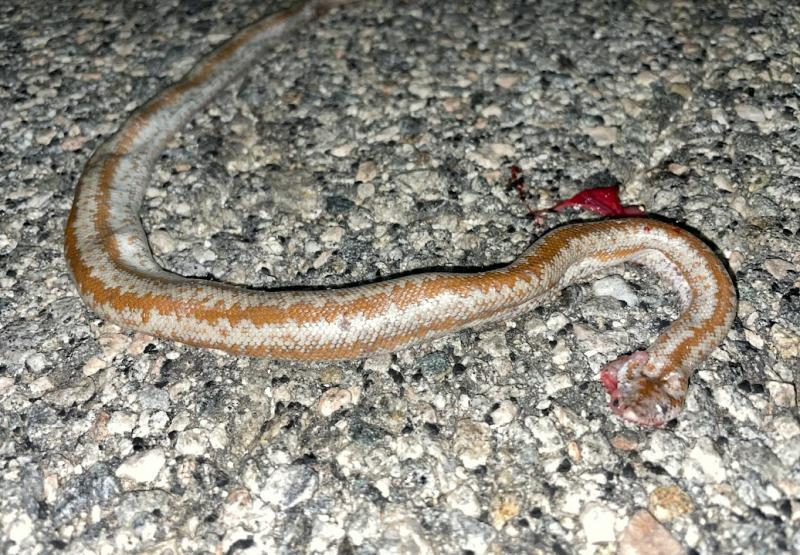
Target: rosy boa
110,260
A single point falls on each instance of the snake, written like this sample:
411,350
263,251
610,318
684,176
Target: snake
117,277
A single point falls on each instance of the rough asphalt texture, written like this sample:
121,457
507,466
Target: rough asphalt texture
374,142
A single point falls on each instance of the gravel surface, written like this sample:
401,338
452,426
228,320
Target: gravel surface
375,142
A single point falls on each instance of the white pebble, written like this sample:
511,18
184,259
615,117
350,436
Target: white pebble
142,467
40,386
603,136
783,394
750,113
754,339
36,362
778,268
342,151
203,255
364,191
557,321
192,442
505,413
472,443
704,464
367,171
338,398
93,366
561,353
161,241
616,288
598,524
20,529
507,80
121,422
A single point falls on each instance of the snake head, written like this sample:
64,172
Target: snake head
636,396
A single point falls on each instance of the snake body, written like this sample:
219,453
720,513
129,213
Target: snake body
109,257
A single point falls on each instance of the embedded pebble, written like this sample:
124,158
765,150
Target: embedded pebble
669,502
784,394
465,500
5,383
40,386
778,268
681,89
645,78
150,397
678,169
507,80
331,375
203,255
505,413
561,354
558,383
367,171
557,322
337,399
617,288
343,150
237,503
45,137
750,113
472,443
365,191
121,422
404,534
754,339
71,144
603,136
288,486
644,535
787,426
93,366
624,443
333,235
723,182
142,467
503,509
420,90
20,529
492,111
703,463
787,342
435,364
192,442
36,362
7,244
545,431
71,396
475,536
491,156
598,524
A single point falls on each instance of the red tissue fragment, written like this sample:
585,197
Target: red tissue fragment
602,200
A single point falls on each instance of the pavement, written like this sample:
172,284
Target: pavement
378,141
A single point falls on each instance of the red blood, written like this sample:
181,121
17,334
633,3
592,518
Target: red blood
609,381
602,200
517,182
